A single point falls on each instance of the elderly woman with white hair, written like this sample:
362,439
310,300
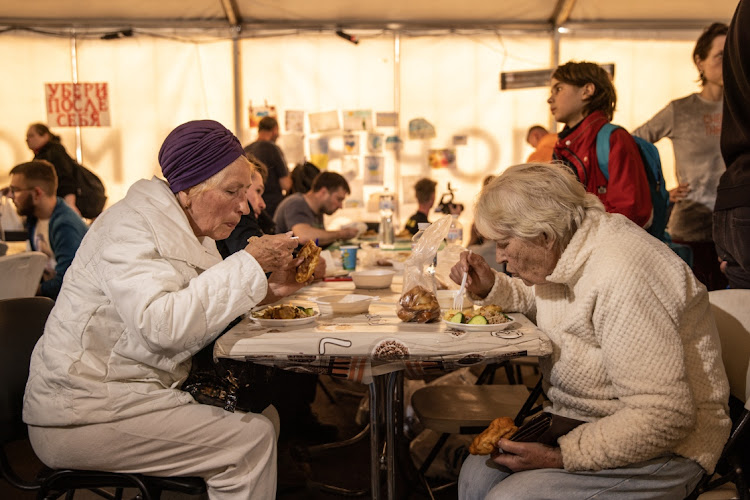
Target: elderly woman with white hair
146,291
636,356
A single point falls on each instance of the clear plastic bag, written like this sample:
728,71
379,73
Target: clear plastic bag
418,301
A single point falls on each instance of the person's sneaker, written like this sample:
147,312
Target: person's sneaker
309,429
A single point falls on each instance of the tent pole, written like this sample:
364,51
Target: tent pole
397,110
74,71
237,70
554,63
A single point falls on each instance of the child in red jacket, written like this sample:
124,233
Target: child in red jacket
583,97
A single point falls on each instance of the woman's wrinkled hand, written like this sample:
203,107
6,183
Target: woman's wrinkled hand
273,252
282,283
481,277
519,456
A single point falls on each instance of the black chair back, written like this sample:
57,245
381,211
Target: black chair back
22,322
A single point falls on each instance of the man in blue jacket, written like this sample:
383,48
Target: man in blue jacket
54,228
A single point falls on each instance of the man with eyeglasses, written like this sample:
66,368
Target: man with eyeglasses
54,228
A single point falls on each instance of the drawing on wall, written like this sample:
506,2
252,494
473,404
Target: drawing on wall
442,158
293,146
374,143
373,171
386,119
393,143
358,119
419,128
357,196
351,144
350,167
295,121
256,113
319,152
324,121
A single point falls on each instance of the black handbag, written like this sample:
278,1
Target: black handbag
229,384
545,428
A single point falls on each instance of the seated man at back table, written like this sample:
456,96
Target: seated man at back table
303,213
54,228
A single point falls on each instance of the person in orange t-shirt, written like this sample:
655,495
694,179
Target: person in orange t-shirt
543,142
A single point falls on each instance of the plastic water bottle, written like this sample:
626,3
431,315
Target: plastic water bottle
455,233
386,237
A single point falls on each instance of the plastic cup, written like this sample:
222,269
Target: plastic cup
349,257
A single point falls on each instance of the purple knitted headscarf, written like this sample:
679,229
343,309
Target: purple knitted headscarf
195,151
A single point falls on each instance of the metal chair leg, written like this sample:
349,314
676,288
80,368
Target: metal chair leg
433,453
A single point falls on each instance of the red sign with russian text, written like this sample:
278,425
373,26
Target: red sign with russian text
77,104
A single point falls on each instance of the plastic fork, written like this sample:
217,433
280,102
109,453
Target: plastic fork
458,300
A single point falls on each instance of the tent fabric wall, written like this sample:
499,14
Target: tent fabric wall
451,80
154,84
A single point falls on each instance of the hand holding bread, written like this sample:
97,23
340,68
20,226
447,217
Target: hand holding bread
486,442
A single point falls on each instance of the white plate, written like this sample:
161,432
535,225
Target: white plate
276,323
484,328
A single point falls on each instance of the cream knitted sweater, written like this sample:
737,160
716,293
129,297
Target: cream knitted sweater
636,352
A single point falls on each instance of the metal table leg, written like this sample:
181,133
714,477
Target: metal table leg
375,395
386,408
393,421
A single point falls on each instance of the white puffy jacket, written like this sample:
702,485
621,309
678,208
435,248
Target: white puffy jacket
142,296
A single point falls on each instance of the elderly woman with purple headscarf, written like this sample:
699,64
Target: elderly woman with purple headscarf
146,291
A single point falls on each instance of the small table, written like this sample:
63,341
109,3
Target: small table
375,349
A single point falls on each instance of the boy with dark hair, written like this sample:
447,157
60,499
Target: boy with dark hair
425,192
54,228
583,97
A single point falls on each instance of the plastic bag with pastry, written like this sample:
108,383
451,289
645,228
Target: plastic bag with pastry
419,301
418,304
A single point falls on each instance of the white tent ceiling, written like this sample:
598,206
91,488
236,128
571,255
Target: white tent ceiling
394,14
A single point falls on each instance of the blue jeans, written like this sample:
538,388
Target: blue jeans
669,477
732,237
